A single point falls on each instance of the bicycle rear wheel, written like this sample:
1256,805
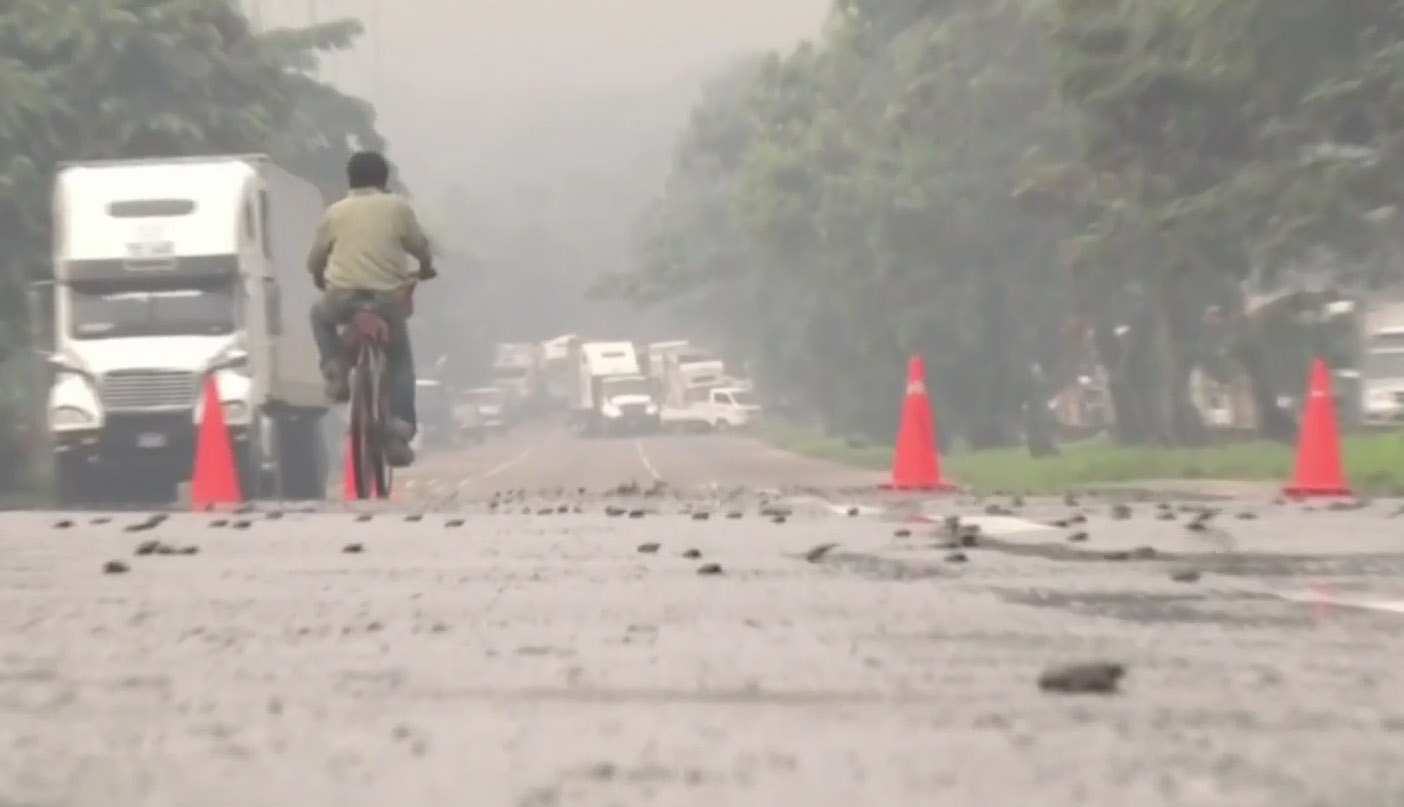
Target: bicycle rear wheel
368,416
380,395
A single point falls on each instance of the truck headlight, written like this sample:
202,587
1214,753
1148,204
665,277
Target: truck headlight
71,417
235,411
231,359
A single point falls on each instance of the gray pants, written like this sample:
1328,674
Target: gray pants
336,307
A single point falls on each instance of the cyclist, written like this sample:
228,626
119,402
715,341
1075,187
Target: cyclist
359,257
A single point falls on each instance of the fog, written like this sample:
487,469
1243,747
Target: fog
531,133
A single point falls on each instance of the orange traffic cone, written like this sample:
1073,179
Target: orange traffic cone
215,478
916,464
348,473
348,477
1319,471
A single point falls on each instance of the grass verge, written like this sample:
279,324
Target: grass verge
1374,462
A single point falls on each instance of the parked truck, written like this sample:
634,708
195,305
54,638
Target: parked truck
167,272
557,371
611,395
516,370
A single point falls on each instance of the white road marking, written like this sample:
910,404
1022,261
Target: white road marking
497,469
994,526
647,464
1319,598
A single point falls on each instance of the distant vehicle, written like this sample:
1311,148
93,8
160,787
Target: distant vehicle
167,271
491,403
468,419
517,369
557,371
714,409
611,395
436,417
1382,364
658,353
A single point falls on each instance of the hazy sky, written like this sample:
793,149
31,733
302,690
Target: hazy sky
434,67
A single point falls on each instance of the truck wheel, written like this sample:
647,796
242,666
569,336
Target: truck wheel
304,458
71,484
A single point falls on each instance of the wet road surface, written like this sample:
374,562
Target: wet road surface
453,649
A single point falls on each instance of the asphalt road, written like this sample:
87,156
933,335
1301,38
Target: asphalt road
471,653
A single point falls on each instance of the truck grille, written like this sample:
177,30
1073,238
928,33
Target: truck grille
141,390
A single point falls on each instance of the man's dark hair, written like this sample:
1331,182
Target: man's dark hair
367,169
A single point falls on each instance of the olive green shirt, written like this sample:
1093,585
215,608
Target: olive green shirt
365,240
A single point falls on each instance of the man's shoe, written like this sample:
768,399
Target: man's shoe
338,388
397,444
398,452
402,429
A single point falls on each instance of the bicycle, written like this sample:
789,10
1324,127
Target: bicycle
365,339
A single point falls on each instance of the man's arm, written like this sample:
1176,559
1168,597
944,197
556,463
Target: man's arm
320,252
414,241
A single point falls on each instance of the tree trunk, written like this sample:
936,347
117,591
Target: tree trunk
1274,422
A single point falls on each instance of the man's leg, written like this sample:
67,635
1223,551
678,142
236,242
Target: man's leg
327,314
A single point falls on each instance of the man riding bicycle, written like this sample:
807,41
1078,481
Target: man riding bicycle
359,259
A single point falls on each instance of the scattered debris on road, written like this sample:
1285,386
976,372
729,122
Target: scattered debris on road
1100,678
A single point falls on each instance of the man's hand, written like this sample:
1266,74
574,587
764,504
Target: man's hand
426,271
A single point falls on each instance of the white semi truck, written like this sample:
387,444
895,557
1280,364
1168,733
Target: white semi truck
611,396
166,272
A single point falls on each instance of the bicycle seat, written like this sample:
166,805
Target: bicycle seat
365,326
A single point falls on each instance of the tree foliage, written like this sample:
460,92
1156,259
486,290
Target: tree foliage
964,178
835,209
105,79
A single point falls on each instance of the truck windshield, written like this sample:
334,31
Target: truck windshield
1384,364
743,398
169,312
627,386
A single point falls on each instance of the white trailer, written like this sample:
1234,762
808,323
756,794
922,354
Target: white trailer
166,272
658,353
611,395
